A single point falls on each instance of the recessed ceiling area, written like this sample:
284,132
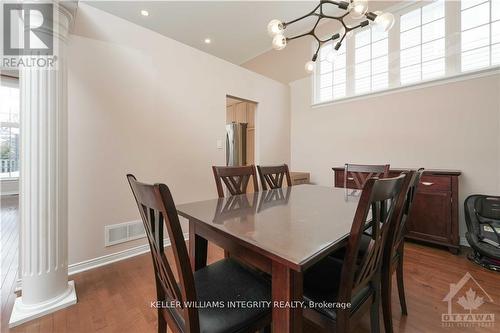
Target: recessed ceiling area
236,29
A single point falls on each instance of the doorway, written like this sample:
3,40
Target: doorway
240,132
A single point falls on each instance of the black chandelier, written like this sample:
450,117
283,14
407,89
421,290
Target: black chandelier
357,9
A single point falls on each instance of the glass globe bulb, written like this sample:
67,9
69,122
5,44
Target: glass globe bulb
275,27
309,67
359,8
279,42
385,21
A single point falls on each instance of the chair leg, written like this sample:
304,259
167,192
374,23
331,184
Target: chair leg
374,311
386,298
162,324
226,254
401,286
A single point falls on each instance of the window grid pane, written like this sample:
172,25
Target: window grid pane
331,73
480,33
371,61
422,54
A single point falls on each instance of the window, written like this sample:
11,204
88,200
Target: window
9,128
430,40
422,43
480,31
332,72
371,70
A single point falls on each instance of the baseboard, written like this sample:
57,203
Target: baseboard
106,259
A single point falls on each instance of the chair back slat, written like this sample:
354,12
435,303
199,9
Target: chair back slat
236,179
360,173
400,229
380,201
158,212
273,176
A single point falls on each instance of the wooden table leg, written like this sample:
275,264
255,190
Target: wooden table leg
287,287
197,248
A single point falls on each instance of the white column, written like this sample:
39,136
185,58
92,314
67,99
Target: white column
43,200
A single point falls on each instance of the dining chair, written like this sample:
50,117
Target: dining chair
223,281
352,280
394,254
360,173
236,179
273,176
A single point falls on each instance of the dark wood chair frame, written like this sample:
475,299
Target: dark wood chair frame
394,254
273,176
360,173
385,198
157,210
236,179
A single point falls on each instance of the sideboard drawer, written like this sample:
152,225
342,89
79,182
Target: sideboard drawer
434,183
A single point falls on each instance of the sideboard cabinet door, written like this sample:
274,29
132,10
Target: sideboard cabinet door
430,218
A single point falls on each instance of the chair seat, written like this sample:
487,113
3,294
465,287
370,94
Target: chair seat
321,284
225,281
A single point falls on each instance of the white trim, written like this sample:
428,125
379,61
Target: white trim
86,265
418,85
22,313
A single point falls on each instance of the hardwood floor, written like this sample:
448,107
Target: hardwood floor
116,297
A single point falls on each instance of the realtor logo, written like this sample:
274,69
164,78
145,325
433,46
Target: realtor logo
28,29
469,294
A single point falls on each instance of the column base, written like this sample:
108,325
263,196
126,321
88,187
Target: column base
22,313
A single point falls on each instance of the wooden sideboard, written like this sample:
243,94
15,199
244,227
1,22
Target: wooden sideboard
434,216
299,178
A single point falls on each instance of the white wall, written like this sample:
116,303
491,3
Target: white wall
451,126
142,103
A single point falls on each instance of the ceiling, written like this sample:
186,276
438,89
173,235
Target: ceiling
237,29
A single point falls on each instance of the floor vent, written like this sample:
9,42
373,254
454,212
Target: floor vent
123,232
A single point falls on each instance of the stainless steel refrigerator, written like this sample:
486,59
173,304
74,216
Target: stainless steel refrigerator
236,144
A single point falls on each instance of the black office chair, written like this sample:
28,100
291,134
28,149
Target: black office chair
482,216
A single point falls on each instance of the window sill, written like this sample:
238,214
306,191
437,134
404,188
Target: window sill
11,179
418,85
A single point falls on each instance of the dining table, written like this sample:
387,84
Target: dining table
281,232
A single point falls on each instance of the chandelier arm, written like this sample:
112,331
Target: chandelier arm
315,56
340,41
360,25
345,14
285,24
335,36
301,35
336,3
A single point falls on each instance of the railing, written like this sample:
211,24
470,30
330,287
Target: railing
8,165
